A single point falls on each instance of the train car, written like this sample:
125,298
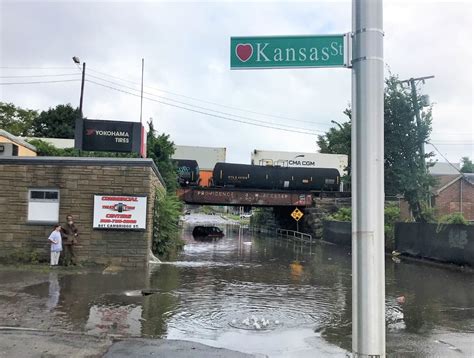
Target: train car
188,172
273,177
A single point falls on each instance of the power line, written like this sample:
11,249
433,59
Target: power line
36,82
439,152
200,112
205,108
455,144
210,102
34,68
53,75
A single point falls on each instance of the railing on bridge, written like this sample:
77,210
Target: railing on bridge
295,234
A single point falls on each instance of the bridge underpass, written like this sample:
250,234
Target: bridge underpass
244,197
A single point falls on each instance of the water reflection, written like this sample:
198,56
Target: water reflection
306,289
54,291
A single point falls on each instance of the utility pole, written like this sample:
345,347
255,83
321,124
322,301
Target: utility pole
79,124
82,87
141,94
368,253
416,108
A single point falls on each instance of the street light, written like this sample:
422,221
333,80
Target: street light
77,61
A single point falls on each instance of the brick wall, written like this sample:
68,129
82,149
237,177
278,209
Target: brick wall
449,200
78,182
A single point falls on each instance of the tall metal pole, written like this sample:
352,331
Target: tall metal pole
368,272
141,95
82,87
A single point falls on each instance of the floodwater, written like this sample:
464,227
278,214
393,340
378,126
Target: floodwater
300,297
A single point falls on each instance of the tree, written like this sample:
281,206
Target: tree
16,120
338,141
160,149
405,169
58,122
467,166
168,207
405,172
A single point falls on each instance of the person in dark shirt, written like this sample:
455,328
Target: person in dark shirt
70,235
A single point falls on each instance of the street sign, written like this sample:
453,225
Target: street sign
289,51
297,214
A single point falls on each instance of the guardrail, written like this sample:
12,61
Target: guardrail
295,234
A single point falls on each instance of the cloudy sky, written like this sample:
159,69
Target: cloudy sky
186,50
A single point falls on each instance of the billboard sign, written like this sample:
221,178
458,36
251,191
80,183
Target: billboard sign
110,136
120,212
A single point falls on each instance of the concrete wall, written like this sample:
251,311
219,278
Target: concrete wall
445,243
338,232
78,180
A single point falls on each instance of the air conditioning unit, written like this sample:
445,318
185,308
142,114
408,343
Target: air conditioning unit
8,150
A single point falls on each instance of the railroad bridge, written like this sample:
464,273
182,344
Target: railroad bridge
245,197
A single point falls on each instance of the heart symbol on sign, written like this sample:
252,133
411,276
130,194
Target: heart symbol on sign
244,52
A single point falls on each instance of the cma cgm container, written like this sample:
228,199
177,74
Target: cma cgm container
206,157
299,159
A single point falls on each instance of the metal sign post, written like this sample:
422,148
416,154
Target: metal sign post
368,272
366,51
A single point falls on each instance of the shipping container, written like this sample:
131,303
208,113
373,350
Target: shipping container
299,159
206,157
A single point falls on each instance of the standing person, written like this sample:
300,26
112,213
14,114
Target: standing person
70,234
56,245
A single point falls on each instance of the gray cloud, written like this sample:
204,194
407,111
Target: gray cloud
186,50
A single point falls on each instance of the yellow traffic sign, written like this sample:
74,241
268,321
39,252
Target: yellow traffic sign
297,214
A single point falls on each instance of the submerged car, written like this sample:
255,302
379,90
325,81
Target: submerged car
208,232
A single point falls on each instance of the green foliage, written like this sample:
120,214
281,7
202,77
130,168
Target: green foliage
22,256
261,216
454,218
166,232
47,149
391,216
160,149
343,214
405,172
467,166
16,120
338,141
58,122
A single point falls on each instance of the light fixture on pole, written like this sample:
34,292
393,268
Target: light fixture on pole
77,61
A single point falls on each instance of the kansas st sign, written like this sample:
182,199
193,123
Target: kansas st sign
289,51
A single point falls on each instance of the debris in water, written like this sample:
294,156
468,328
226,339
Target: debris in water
396,260
401,299
149,291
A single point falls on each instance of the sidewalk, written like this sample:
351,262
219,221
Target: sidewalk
44,344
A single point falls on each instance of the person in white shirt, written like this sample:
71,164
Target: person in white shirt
56,245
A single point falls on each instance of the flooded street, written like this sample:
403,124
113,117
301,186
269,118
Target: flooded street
216,291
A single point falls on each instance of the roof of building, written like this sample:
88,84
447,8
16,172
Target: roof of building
469,177
17,140
444,168
78,161
445,181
